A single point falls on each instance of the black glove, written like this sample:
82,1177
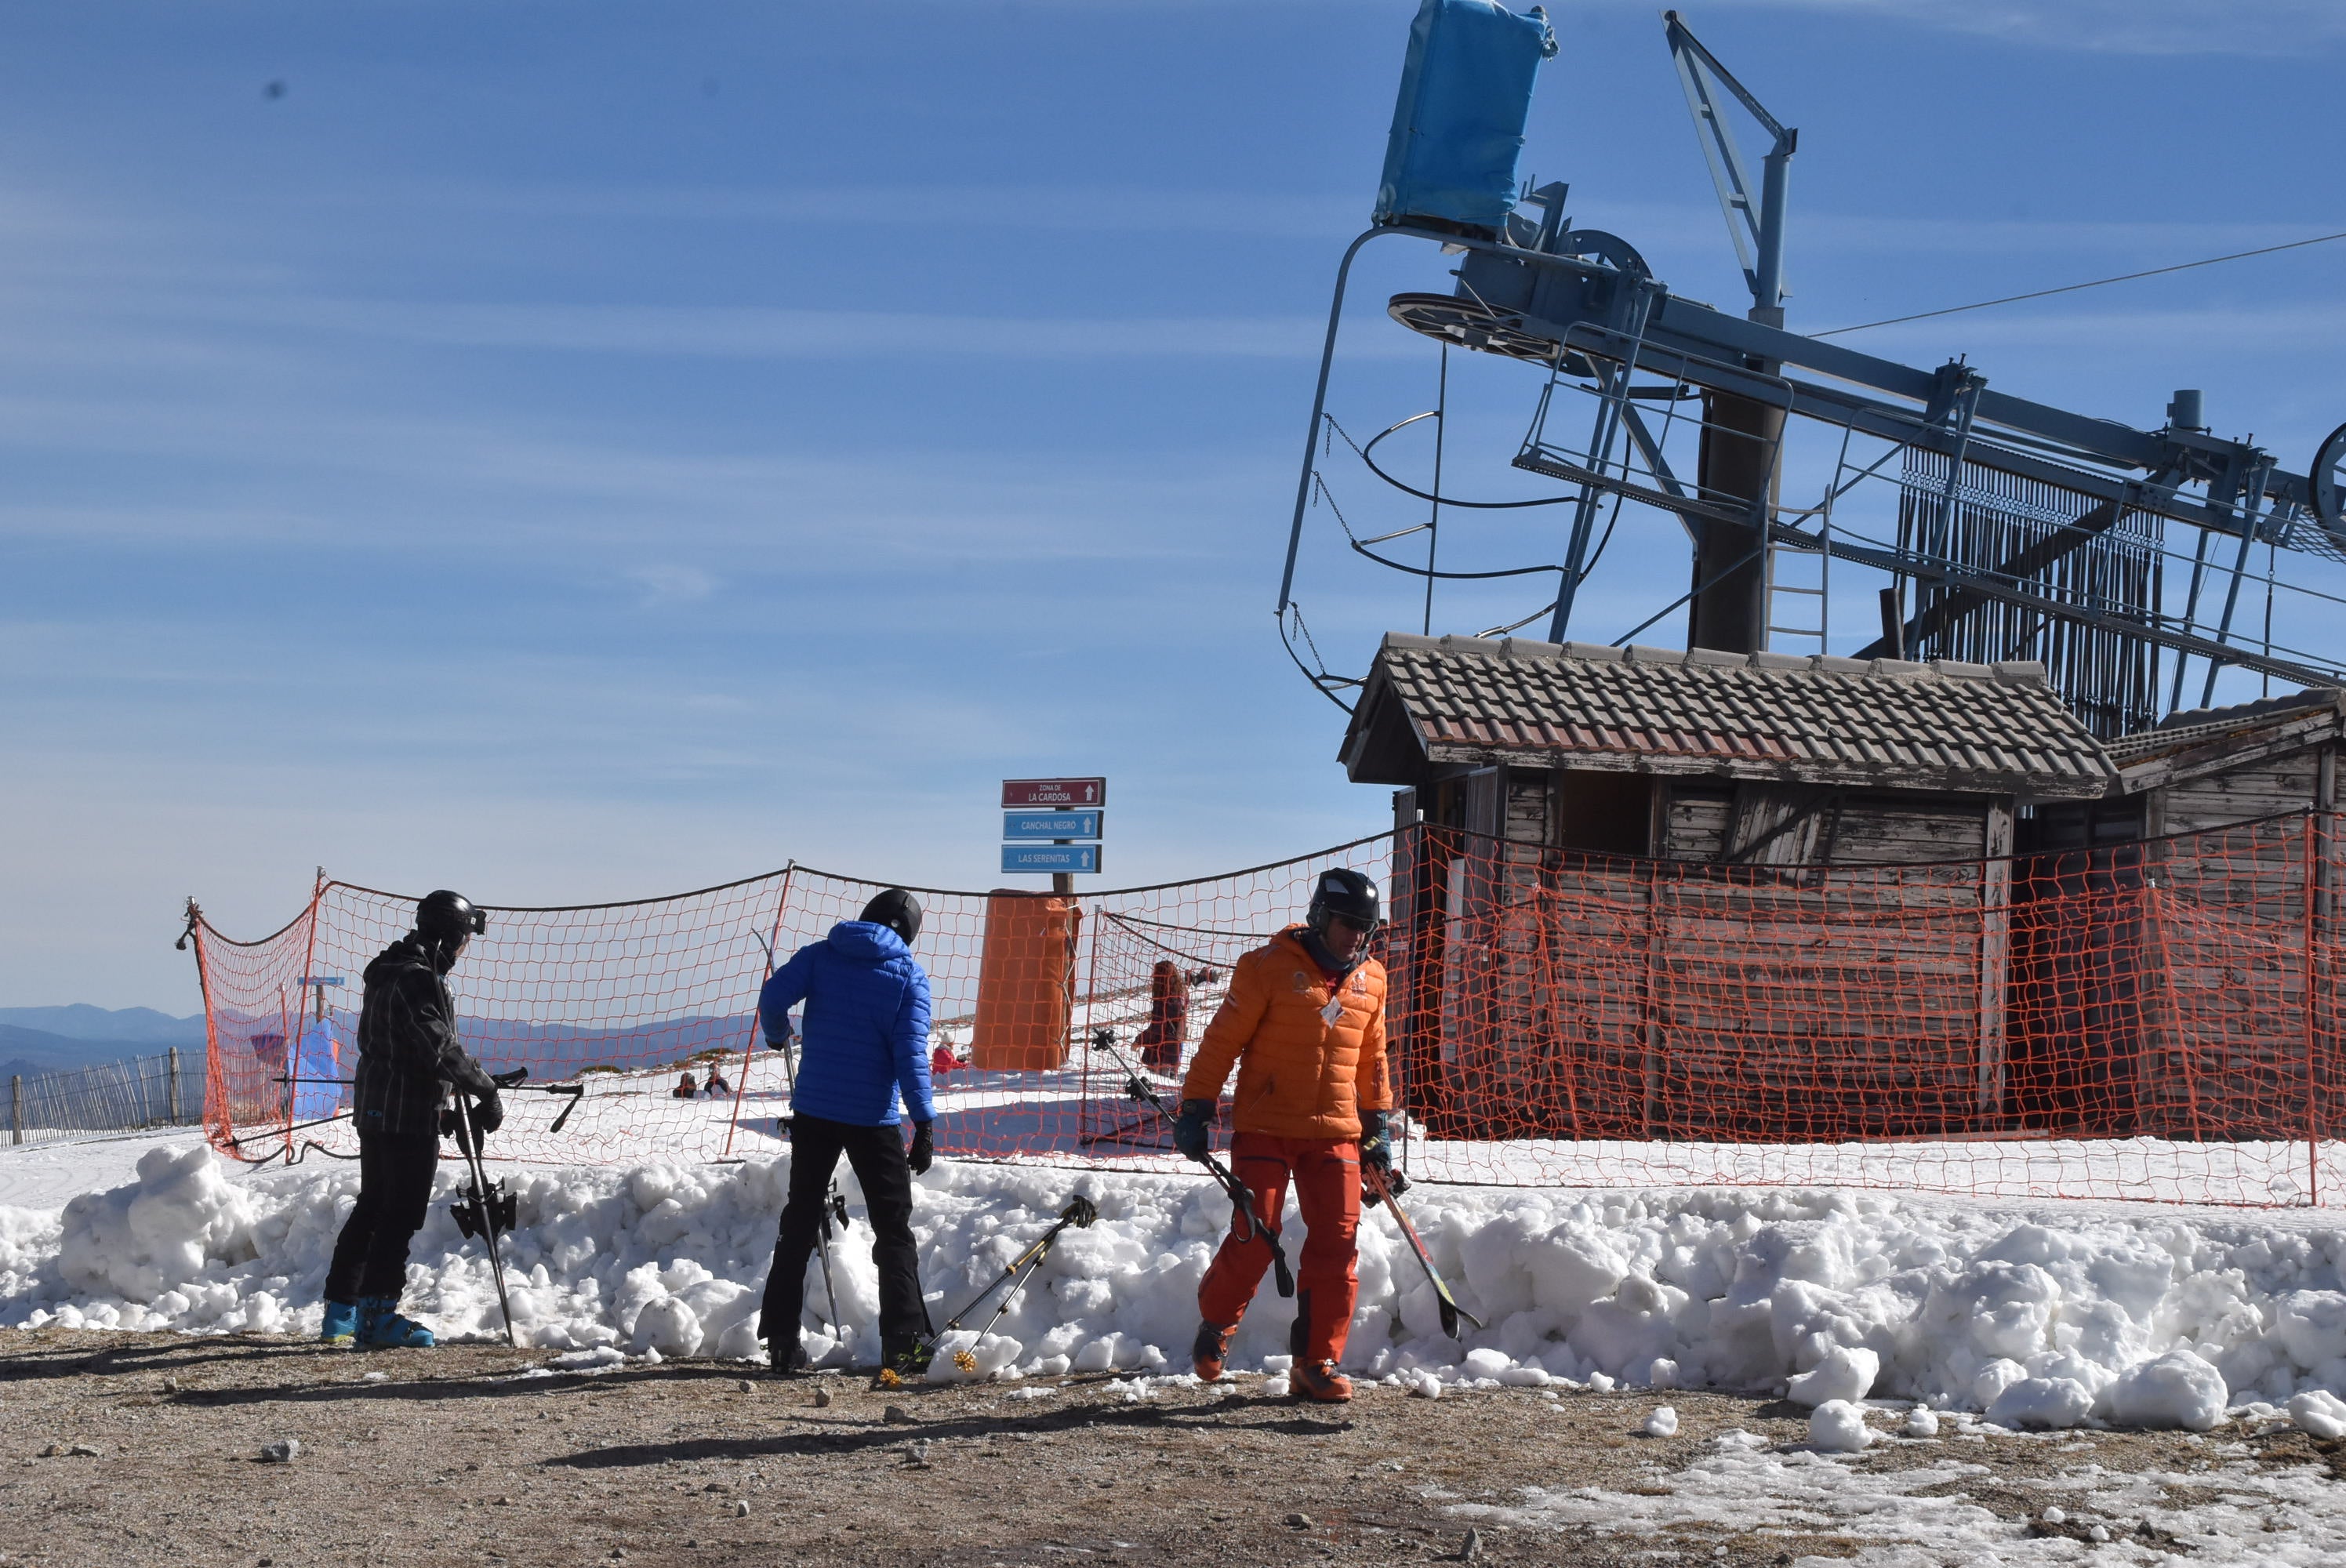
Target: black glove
1376,1142
1190,1129
488,1113
924,1147
459,1069
509,1077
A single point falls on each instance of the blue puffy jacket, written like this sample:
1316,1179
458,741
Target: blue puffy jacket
867,1026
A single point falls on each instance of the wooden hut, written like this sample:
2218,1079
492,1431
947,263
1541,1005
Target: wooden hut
1662,892
2221,817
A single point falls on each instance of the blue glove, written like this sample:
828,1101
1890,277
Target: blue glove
1376,1142
1190,1129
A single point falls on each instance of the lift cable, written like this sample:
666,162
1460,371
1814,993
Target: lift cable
2073,288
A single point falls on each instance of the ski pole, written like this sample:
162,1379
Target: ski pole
482,1210
1376,1186
834,1203
1080,1213
1242,1196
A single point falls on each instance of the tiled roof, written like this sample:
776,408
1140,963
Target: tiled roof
2187,727
1986,728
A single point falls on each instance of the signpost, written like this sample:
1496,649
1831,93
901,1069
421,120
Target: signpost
1061,859
1054,792
1043,817
1051,825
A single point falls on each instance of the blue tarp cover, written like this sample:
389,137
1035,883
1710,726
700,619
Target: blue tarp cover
1465,89
317,1056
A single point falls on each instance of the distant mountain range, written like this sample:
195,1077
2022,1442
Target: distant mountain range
83,1021
46,1039
34,1040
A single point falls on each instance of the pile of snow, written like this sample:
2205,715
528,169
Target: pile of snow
1838,1425
2319,1414
2045,1319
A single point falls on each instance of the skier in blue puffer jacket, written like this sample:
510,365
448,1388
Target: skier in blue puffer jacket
866,1042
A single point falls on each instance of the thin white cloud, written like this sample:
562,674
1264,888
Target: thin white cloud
934,210
754,331
2274,28
668,585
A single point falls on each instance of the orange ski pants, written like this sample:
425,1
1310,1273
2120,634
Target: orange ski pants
1327,1177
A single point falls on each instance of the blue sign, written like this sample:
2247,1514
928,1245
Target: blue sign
1051,824
1050,857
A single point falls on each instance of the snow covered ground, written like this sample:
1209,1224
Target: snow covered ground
2217,1507
2031,1317
46,1175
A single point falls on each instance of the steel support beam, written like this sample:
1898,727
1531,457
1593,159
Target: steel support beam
1918,567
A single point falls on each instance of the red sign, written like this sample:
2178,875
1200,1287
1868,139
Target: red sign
1054,792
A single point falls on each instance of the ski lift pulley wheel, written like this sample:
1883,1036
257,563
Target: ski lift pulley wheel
2329,476
1472,324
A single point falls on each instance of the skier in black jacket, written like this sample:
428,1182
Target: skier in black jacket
408,1057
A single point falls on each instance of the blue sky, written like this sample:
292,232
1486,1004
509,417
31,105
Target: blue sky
581,452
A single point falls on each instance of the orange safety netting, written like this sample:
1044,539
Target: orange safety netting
2154,1020
631,1001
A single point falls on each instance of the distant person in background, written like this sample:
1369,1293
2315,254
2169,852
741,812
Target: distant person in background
1160,1042
684,1088
716,1085
866,1046
409,1058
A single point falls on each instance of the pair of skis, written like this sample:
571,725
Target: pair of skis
481,1207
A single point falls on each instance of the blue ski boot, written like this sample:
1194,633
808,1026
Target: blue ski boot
380,1325
342,1323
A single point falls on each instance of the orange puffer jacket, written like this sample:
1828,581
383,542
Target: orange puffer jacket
1309,1064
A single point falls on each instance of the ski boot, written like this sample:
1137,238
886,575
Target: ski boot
1210,1349
381,1327
341,1324
1320,1381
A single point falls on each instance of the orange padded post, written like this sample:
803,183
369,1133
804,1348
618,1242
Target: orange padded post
1026,983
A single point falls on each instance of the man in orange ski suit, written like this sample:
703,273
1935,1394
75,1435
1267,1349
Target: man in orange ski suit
1304,1022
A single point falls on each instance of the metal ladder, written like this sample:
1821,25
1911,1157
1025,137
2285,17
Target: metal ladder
1778,613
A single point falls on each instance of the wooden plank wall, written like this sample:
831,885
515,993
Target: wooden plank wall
2224,1049
1495,992
2290,782
1603,996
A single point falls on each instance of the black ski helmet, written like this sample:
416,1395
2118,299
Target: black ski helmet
1346,892
444,915
897,909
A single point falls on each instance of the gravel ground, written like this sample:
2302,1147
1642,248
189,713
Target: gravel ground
146,1450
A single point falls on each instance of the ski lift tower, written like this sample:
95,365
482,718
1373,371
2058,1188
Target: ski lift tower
2003,528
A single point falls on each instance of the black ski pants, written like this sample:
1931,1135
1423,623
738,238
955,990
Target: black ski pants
877,1156
394,1195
